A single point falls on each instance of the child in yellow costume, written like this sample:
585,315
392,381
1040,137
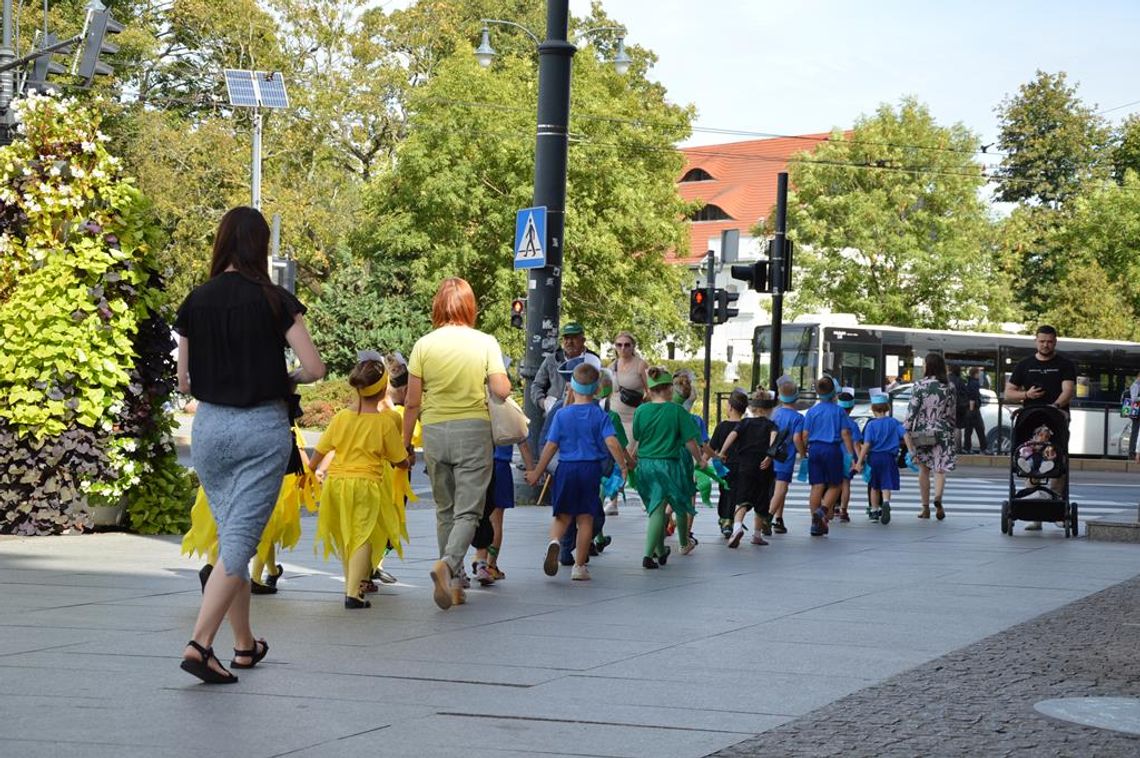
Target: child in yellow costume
358,517
283,530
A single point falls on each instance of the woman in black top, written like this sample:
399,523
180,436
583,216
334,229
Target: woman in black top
233,331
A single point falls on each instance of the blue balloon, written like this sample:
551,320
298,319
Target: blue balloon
719,467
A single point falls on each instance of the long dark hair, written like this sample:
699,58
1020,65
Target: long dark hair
242,241
935,365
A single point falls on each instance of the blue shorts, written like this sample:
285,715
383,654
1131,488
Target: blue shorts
884,471
577,488
785,475
825,463
501,491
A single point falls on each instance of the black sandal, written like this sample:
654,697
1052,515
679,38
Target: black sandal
202,670
256,656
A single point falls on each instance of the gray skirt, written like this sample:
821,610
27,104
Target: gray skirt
240,455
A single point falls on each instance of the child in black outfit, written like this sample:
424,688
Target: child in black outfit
752,478
737,405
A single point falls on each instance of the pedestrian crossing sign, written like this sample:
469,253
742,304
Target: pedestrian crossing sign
530,238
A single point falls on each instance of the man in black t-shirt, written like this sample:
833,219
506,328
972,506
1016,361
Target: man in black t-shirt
1044,378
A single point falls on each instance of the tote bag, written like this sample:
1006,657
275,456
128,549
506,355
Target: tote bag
508,422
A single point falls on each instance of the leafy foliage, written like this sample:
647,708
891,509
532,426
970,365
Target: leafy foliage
84,348
900,237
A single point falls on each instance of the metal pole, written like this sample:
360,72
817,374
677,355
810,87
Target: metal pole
7,55
710,301
256,199
544,285
777,274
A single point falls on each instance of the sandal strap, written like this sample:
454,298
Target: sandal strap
250,653
206,652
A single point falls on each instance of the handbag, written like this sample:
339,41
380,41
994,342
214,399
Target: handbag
630,397
924,439
508,422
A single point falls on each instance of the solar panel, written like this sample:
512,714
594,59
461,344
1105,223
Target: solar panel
272,89
240,87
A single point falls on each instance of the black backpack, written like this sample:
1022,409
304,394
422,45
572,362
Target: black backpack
780,448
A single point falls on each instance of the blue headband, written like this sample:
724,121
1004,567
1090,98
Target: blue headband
846,403
583,389
789,398
827,395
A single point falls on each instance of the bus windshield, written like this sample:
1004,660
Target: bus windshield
800,348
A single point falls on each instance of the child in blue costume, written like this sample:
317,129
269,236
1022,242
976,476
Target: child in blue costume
827,435
583,437
786,417
488,538
880,449
846,400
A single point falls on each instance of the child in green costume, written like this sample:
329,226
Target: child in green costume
660,429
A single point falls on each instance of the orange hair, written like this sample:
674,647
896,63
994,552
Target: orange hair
454,303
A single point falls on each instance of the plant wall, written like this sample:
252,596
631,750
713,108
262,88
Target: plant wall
85,366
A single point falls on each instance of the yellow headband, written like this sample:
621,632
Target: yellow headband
375,388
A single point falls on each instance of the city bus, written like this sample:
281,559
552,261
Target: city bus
865,356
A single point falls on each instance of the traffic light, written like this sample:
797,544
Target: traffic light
756,274
95,44
43,66
724,300
699,306
518,309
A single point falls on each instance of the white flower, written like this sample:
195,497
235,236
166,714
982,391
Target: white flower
88,147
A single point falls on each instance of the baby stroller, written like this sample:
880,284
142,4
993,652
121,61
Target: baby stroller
1039,456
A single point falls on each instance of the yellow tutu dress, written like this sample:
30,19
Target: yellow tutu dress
358,499
283,530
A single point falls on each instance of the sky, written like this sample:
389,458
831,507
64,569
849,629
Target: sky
802,66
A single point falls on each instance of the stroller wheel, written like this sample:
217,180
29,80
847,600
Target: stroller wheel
1006,526
1074,523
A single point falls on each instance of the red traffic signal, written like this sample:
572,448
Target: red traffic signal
699,307
518,309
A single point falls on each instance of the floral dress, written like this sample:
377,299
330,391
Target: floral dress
932,409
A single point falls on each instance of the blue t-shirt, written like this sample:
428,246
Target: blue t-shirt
856,435
580,431
884,434
793,421
504,452
823,423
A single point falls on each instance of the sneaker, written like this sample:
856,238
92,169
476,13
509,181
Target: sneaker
778,526
648,563
875,515
691,546
580,574
482,573
565,557
664,557
464,580
601,543
725,527
734,540
844,517
758,540
1033,526
496,572
819,522
885,514
766,526
611,508
594,549
550,565
441,584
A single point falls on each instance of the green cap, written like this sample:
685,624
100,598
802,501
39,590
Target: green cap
665,378
571,328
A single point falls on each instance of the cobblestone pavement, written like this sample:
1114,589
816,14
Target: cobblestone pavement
979,700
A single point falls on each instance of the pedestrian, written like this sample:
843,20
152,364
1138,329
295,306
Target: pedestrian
752,439
1132,399
961,406
684,394
790,422
233,331
451,369
1044,378
631,382
660,427
549,385
879,451
725,509
930,422
846,401
583,436
827,435
358,519
488,539
975,425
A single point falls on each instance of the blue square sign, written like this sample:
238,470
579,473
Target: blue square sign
530,238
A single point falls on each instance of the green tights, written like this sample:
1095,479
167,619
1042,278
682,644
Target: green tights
655,533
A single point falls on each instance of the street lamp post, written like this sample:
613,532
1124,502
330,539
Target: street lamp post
544,285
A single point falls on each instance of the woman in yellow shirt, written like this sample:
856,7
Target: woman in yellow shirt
357,517
450,371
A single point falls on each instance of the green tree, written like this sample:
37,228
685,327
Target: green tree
891,225
447,205
1126,155
1076,313
1054,143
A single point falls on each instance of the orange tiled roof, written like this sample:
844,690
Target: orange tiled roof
743,182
